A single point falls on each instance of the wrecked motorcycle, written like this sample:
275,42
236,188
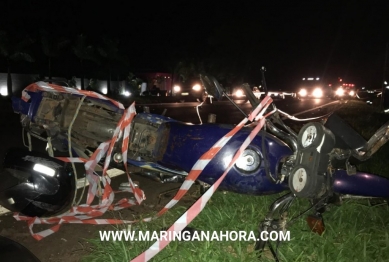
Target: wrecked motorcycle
316,164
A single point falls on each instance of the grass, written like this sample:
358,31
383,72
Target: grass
225,211
355,231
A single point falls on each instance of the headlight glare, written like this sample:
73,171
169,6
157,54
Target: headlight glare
317,92
303,92
196,87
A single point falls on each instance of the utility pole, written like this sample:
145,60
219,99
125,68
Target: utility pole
384,79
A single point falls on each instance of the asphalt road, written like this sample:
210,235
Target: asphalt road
228,114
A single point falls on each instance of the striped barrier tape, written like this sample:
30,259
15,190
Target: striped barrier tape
199,205
203,161
43,86
86,213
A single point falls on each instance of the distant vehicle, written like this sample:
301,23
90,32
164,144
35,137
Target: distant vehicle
240,94
344,90
190,90
313,87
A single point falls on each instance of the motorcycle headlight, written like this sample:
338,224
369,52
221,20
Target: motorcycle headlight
249,161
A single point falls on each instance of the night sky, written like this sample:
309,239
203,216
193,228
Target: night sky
292,39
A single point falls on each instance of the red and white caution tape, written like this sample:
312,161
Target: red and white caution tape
43,86
86,213
199,166
210,154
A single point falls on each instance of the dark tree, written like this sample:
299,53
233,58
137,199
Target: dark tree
52,47
109,56
14,50
84,52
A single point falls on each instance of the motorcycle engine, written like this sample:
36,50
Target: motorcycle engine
149,137
309,175
95,122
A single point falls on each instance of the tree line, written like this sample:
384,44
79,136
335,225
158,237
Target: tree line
47,53
43,49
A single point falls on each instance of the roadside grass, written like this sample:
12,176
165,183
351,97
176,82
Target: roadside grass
355,231
224,212
358,230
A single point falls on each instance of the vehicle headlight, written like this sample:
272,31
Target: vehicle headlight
303,92
239,93
3,91
352,93
339,91
176,88
317,92
196,87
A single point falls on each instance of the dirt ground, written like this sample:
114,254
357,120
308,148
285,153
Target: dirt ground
70,242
